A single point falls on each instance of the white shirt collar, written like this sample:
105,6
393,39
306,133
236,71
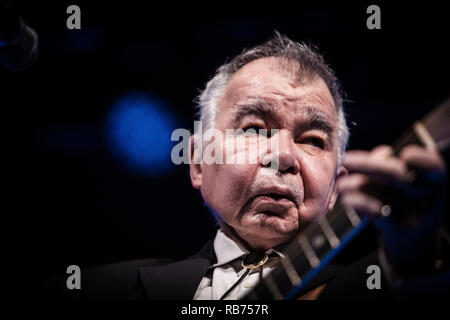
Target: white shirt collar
227,249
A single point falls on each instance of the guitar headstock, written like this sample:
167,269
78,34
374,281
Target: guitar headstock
432,132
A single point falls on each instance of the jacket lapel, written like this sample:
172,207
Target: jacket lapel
177,280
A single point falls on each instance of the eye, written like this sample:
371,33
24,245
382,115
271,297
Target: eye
252,129
314,141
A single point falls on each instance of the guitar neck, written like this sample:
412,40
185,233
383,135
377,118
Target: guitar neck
321,241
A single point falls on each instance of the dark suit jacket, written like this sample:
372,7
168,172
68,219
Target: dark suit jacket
167,279
162,279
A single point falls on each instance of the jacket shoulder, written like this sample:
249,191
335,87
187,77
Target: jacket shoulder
118,280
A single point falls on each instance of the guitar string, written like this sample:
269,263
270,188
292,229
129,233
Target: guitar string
436,114
435,117
430,121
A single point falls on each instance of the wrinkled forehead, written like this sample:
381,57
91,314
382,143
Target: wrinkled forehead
277,82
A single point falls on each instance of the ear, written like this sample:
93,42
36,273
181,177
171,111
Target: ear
342,171
195,169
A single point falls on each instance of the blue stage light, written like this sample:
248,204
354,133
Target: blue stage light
138,129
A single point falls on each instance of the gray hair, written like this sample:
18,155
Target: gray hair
311,65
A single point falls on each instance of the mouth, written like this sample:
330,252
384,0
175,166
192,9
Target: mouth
282,196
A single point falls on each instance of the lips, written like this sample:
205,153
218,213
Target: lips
276,194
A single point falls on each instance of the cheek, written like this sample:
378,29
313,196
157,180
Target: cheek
317,176
243,149
225,187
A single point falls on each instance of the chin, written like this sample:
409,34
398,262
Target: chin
277,224
273,230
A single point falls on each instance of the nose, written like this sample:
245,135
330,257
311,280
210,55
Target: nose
282,155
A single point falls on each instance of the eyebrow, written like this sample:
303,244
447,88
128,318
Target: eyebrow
318,120
260,107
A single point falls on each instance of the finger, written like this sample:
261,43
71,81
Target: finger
419,158
352,182
383,150
376,163
362,203
357,181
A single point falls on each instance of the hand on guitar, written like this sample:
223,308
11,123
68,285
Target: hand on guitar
407,194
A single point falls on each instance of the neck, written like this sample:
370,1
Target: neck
232,233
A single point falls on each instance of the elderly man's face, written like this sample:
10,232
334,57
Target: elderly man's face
269,209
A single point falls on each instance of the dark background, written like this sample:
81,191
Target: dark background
70,200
